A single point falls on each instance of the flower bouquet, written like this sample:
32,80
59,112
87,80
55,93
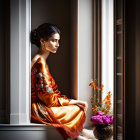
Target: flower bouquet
102,118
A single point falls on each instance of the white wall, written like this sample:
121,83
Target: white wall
85,46
107,47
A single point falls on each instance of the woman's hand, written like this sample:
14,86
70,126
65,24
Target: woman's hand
81,104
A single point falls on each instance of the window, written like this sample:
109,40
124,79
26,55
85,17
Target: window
20,55
77,37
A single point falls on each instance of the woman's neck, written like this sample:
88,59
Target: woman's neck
44,54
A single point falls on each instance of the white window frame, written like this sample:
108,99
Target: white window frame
20,50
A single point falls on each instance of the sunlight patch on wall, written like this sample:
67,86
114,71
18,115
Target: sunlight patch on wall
107,46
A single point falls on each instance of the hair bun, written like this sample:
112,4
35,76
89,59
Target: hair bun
35,32
35,38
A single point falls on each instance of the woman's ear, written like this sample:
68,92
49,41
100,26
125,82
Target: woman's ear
42,42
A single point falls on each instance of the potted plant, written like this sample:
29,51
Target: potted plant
102,118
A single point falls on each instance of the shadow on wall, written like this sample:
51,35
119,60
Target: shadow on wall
58,13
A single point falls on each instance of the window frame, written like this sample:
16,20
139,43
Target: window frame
20,49
20,57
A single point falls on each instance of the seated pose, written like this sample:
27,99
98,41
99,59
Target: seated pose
48,106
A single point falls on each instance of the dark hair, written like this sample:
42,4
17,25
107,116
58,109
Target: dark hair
44,31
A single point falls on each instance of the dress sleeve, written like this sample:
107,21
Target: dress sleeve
63,100
46,88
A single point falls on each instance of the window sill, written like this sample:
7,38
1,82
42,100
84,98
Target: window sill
29,124
25,127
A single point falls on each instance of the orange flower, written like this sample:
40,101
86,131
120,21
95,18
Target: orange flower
103,109
94,108
106,103
107,111
108,106
109,103
95,112
96,87
108,97
99,89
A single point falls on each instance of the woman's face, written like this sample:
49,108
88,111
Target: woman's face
52,43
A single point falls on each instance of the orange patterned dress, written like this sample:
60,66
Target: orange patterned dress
49,107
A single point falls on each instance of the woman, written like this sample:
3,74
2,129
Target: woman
48,105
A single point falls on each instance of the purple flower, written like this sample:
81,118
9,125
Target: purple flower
109,116
97,119
111,120
100,113
106,120
102,119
